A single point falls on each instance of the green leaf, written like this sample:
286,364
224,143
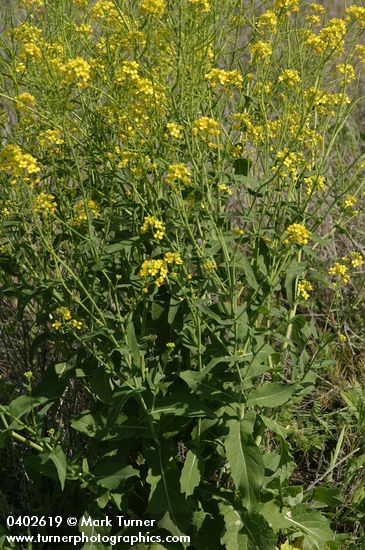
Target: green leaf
191,473
58,457
331,496
260,534
232,538
166,499
244,457
182,404
314,526
93,425
295,269
100,384
242,166
271,395
110,473
243,262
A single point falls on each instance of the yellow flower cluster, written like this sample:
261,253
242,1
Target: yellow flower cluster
290,77
209,265
45,204
153,7
85,209
178,172
32,3
25,32
51,140
347,70
340,271
267,22
224,188
303,289
330,37
356,259
227,79
173,258
25,101
253,131
314,183
158,269
322,101
158,227
140,89
203,5
206,128
288,163
287,6
174,130
260,50
84,28
298,234
105,11
77,71
360,52
356,13
349,201
18,164
65,318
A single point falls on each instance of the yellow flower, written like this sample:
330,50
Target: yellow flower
83,209
260,50
178,172
225,78
347,70
350,201
206,128
224,188
288,163
173,258
76,324
303,289
57,325
158,227
203,5
84,28
287,6
18,164
356,13
290,77
314,183
174,130
341,338
153,7
64,313
341,272
77,71
45,204
154,268
24,101
50,140
356,259
268,21
298,234
209,265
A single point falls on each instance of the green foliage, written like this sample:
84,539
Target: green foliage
164,234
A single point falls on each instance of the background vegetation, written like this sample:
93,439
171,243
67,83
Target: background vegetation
181,268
